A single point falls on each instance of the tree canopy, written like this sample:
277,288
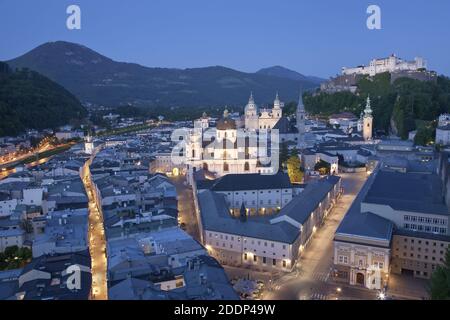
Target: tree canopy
396,106
29,100
294,171
440,280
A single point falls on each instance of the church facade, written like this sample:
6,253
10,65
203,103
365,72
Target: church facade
230,148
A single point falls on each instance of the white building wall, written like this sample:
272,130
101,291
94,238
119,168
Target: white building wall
425,220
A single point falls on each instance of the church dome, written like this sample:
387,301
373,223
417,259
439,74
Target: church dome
251,105
226,123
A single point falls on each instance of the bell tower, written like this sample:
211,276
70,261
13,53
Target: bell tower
367,121
301,123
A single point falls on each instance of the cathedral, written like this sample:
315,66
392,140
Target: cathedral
264,118
234,147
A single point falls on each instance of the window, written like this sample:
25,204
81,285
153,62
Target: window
264,260
255,258
245,256
274,262
343,259
284,263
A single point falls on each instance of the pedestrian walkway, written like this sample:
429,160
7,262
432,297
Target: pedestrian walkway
318,296
321,276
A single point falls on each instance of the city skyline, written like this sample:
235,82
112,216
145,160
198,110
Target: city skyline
224,151
242,36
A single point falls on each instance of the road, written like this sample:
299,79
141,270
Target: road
310,278
8,166
186,207
12,159
97,241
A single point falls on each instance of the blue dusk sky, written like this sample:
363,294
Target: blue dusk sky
314,37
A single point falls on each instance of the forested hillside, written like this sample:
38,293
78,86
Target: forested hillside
398,108
30,100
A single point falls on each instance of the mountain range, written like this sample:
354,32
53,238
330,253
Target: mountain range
97,79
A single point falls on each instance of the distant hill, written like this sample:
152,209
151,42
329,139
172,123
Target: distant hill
398,107
97,79
282,72
29,100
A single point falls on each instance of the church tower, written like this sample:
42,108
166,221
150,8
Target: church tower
88,144
276,111
301,123
360,123
367,121
251,114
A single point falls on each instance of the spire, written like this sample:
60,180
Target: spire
368,109
251,104
225,113
276,103
243,213
300,106
251,100
204,115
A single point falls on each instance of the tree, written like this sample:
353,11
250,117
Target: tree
341,159
290,108
294,171
323,167
425,135
284,155
440,280
14,257
294,152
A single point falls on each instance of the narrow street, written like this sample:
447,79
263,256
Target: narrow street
310,279
186,208
97,242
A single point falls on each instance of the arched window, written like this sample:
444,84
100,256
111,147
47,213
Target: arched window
225,167
246,166
205,166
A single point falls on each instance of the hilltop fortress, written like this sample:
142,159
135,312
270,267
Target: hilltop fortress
390,64
397,67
